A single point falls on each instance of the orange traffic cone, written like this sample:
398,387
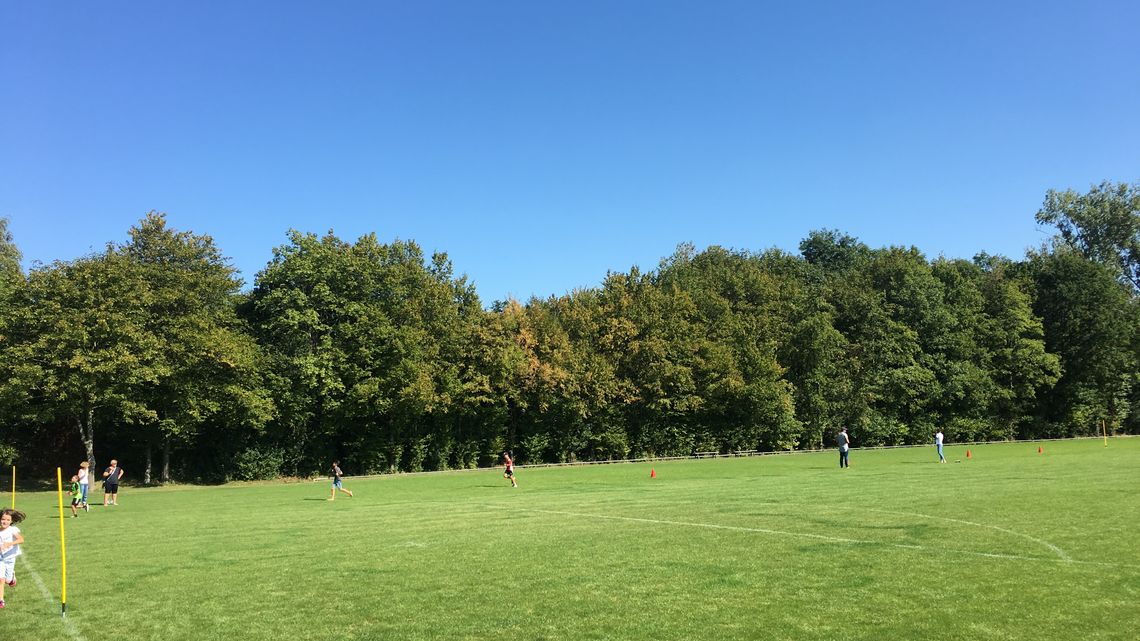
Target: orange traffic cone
652,473
967,453
1039,450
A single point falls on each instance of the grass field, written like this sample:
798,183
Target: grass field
1010,544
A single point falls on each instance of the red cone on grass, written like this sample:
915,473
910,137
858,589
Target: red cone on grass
967,453
652,473
1039,450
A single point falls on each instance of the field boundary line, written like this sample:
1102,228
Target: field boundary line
823,537
67,624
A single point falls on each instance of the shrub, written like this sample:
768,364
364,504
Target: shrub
253,464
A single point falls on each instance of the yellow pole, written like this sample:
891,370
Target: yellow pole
1102,428
62,540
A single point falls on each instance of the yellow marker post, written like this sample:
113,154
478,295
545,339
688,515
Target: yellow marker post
1102,429
62,541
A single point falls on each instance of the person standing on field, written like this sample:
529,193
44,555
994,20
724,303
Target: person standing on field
84,485
938,438
111,477
337,483
844,443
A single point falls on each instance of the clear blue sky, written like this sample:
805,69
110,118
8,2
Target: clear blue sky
541,144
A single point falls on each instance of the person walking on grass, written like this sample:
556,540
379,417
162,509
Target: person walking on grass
10,540
111,477
83,477
938,438
337,483
509,472
76,497
844,443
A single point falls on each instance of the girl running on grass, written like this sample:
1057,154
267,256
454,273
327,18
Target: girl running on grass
10,540
509,472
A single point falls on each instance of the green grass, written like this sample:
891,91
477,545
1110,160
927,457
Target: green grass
1008,545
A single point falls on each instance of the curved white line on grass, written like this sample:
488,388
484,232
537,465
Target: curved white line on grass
804,535
67,625
713,526
1056,550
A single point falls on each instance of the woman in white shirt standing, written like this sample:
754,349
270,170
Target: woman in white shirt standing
84,485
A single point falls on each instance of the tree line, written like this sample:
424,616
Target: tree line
151,352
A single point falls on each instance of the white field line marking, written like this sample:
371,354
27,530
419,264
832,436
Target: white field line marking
805,535
67,625
1056,550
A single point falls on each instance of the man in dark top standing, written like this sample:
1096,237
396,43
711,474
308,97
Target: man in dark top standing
844,445
111,477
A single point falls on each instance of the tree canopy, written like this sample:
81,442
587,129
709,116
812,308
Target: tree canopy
382,357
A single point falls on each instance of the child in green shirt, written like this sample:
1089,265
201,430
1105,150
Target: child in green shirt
76,497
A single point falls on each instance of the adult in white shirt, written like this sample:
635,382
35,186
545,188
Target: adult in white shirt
938,438
84,485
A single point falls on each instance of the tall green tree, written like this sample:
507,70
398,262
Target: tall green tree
1012,344
78,349
1103,224
209,369
658,350
1091,320
11,278
365,339
11,274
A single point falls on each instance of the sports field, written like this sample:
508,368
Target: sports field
1009,544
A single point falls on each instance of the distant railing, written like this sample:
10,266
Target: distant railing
736,453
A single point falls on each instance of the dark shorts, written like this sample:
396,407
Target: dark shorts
76,501
110,488
509,473
336,482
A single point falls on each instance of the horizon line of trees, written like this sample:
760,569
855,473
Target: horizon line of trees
385,359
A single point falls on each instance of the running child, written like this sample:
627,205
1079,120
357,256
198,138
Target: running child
10,540
76,496
337,474
509,472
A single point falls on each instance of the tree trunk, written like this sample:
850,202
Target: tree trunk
146,472
166,461
87,435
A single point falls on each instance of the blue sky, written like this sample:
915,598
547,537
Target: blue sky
541,144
